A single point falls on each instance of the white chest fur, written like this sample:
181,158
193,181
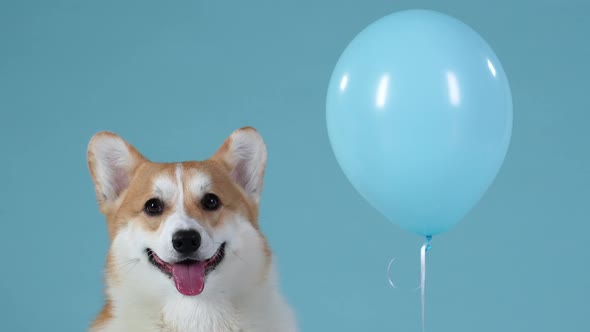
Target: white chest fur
262,310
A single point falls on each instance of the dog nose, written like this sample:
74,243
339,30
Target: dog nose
186,242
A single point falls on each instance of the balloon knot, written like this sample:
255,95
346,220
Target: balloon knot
428,246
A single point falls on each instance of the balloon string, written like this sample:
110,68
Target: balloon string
425,247
389,273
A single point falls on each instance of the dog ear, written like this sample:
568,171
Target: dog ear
112,162
244,155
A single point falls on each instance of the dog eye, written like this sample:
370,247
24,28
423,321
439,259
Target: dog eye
154,207
210,202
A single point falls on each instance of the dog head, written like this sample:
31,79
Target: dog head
187,228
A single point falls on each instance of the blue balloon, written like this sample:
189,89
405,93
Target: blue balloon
419,115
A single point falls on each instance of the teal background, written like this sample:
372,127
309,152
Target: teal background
175,78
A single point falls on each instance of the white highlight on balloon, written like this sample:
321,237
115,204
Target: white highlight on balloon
491,66
454,93
344,82
382,91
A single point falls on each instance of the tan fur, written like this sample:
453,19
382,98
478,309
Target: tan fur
104,316
141,189
106,313
105,208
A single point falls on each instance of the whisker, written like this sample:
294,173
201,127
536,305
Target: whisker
233,252
208,185
125,263
125,266
240,257
132,266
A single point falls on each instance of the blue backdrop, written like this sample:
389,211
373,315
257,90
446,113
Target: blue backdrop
176,78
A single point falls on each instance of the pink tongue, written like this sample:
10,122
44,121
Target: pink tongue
189,278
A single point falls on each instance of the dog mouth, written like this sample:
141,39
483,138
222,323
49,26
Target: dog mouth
189,274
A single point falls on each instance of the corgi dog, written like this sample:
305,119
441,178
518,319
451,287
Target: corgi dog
186,251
